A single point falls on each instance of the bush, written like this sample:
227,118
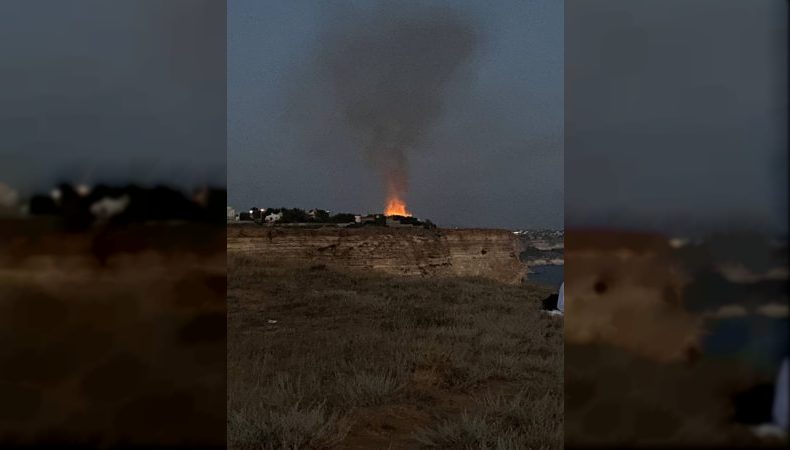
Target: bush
343,218
321,216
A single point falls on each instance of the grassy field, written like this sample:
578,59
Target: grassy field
323,359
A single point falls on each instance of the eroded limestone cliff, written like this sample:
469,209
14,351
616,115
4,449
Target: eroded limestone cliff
626,289
491,254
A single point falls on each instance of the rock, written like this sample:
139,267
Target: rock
485,253
626,290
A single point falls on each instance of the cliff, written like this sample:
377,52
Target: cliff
626,289
491,254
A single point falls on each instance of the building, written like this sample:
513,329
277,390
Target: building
370,218
271,218
9,199
391,222
108,207
8,196
231,214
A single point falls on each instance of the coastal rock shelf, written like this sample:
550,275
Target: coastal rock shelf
485,253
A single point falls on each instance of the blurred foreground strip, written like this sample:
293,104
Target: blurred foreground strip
113,335
648,362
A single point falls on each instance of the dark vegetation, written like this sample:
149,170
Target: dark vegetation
322,359
159,203
294,215
320,216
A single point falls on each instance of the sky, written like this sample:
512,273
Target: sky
674,111
478,130
123,91
676,114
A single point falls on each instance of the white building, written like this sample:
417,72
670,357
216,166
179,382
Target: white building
231,213
273,217
8,196
9,199
108,207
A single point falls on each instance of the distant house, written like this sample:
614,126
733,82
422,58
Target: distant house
109,207
271,218
8,199
392,222
8,196
231,214
370,218
83,190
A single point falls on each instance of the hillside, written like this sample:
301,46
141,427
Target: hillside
324,358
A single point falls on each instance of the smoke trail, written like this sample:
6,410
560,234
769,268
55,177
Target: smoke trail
388,69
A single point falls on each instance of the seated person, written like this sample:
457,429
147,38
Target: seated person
561,299
555,303
779,412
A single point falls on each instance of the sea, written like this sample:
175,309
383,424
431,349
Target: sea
550,275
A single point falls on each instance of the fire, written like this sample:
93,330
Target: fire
396,207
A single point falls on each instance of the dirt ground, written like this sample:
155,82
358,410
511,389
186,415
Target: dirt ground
318,358
113,337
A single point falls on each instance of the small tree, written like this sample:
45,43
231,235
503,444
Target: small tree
321,216
343,218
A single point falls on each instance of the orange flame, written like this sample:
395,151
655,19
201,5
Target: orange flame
396,207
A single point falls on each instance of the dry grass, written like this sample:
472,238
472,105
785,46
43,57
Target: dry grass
323,359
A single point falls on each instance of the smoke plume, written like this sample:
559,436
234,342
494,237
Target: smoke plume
388,68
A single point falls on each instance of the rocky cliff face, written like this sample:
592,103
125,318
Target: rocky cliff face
626,289
489,254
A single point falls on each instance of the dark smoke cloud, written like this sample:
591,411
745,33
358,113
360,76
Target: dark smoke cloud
472,107
388,69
